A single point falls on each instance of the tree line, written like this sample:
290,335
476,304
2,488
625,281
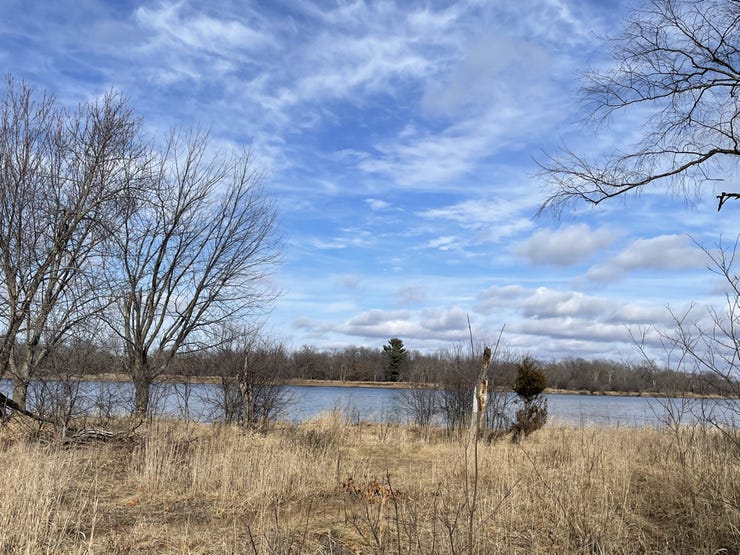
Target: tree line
449,369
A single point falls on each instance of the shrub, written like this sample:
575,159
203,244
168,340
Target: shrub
530,380
529,384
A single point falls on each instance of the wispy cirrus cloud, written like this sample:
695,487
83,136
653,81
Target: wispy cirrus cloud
180,27
398,139
469,227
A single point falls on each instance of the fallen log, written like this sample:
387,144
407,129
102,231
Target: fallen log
85,436
70,435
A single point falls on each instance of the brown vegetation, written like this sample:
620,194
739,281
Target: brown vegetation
328,487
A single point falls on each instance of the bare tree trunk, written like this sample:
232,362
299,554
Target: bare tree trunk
141,396
24,367
20,371
141,378
20,391
247,398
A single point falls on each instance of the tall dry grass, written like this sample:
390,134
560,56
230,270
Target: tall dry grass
329,487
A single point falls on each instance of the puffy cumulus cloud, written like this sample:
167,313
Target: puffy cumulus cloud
565,246
445,320
548,303
542,321
557,323
640,314
381,323
447,324
545,303
665,252
574,328
497,296
558,338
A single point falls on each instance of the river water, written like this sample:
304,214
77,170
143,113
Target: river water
202,402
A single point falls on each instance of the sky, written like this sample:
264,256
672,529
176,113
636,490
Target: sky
400,141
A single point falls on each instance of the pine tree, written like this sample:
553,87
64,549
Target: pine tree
396,356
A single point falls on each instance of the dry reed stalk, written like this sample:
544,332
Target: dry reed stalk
221,489
36,486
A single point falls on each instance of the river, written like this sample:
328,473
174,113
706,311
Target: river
202,402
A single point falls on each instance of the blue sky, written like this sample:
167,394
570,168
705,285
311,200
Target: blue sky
399,140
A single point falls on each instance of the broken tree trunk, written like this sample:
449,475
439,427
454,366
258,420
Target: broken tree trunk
480,393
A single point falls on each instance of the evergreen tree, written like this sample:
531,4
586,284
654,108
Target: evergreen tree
529,385
396,356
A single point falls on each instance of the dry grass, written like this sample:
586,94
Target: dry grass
328,487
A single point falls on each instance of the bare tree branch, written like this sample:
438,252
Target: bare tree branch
679,59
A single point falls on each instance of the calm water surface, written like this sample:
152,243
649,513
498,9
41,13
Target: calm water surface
201,402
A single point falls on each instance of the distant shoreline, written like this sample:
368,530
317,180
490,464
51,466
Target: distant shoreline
399,385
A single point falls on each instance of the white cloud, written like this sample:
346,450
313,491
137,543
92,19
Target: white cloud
479,221
446,324
491,69
497,297
572,328
195,30
380,323
565,246
448,242
548,303
398,137
665,253
376,204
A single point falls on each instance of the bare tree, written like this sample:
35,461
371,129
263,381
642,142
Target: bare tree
678,61
62,395
252,371
61,175
192,254
458,379
707,347
421,402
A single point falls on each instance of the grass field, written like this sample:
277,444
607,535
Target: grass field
329,487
